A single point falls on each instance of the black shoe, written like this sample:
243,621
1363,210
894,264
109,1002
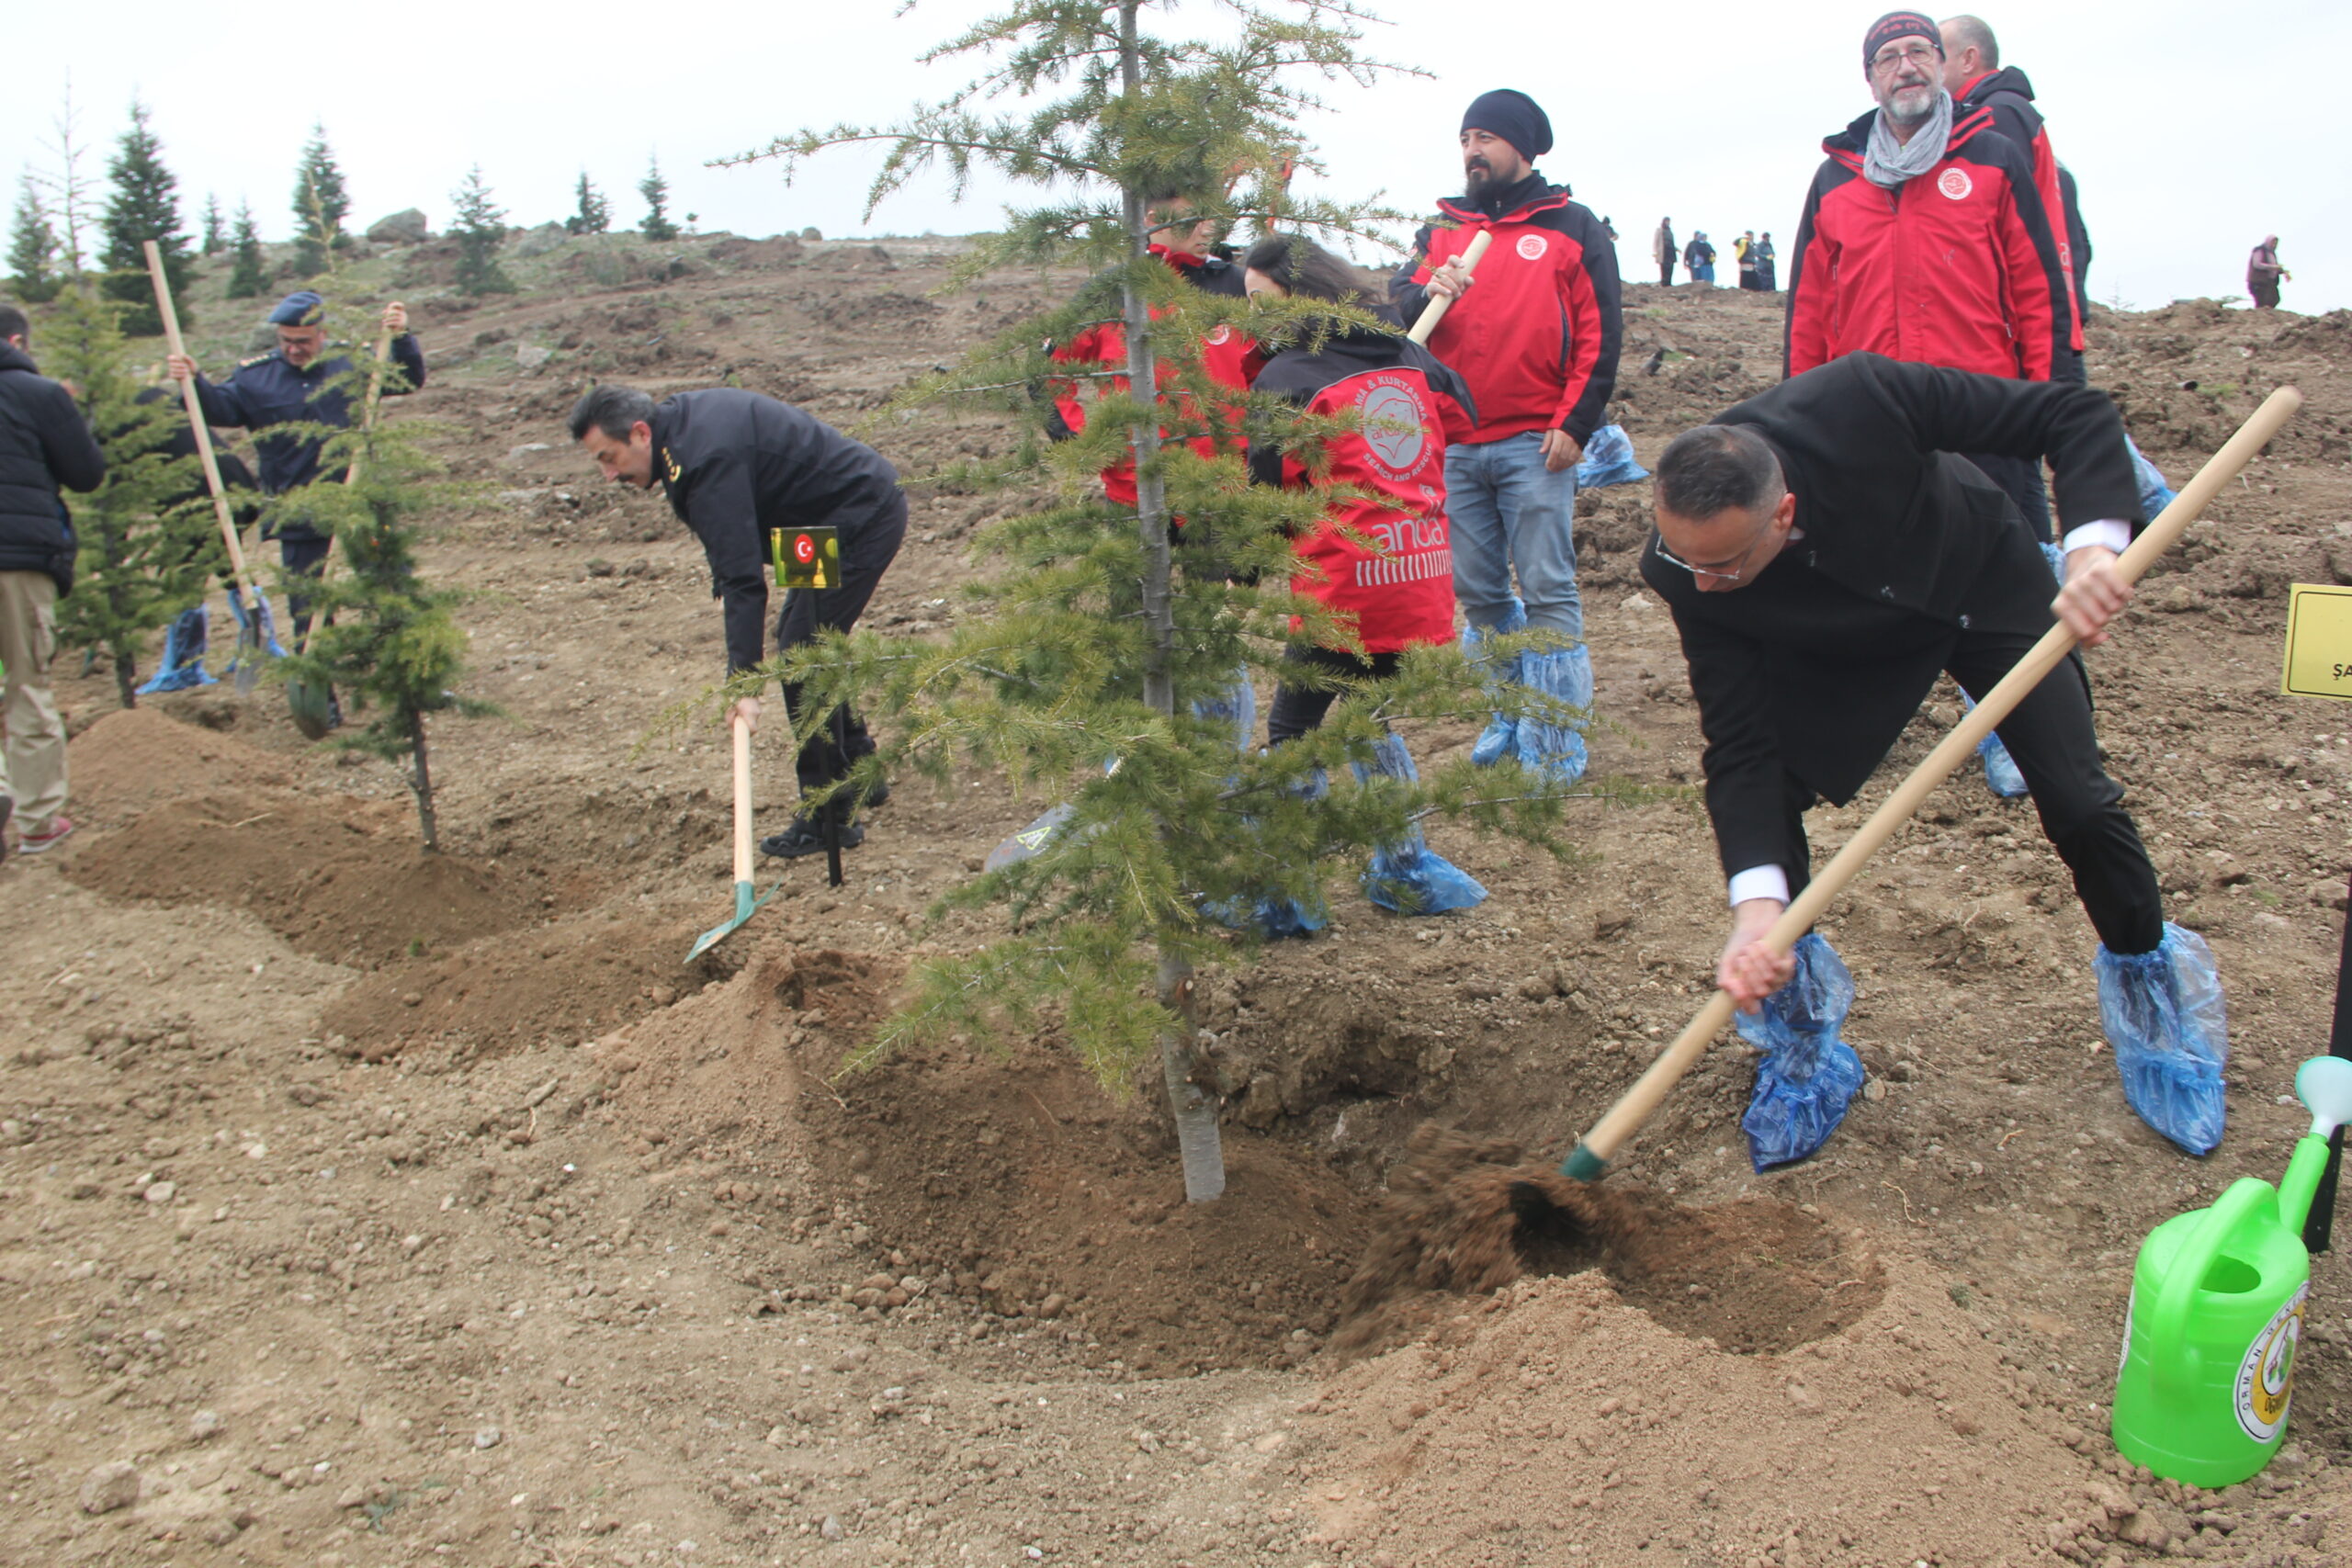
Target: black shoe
7,809
806,836
878,792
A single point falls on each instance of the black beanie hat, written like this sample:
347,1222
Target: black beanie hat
1899,24
1513,115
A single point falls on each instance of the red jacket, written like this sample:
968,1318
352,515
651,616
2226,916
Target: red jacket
1412,406
1537,338
1957,267
1229,356
2009,95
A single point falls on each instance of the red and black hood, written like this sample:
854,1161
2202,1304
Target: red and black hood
1528,196
1847,145
2008,79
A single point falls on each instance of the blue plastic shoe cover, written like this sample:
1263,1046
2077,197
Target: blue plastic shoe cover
184,650
2001,775
1496,738
1808,1075
2155,493
2164,1016
1408,877
1237,704
1556,750
1275,915
1609,460
268,624
2056,557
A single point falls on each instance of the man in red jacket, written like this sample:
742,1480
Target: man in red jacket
1536,341
1925,239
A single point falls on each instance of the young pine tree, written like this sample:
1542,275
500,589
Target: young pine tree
595,213
216,233
320,204
1103,640
656,224
250,274
480,229
148,541
145,205
36,260
394,649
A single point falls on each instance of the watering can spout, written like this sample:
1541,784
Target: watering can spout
2325,1085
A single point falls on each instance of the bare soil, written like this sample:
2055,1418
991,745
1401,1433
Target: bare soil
372,1208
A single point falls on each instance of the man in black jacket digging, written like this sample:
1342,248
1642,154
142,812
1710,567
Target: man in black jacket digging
1826,557
737,465
44,444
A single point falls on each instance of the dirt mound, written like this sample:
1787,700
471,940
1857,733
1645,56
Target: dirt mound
1466,1216
340,879
1555,1423
134,759
557,982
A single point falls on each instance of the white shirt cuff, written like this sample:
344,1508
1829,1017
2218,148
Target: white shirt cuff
1759,882
2110,531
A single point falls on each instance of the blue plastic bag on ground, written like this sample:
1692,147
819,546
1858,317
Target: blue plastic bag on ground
1408,877
1609,460
1808,1075
2166,1018
1237,704
2155,493
1497,736
184,650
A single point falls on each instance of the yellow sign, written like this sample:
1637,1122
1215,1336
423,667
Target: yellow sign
2319,642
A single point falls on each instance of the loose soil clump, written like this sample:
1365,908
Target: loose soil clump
134,759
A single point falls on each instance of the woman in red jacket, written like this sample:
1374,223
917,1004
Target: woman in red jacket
1408,405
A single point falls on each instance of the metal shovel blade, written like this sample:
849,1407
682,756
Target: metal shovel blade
313,707
249,654
745,905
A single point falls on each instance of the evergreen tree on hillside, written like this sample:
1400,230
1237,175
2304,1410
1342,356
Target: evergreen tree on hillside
320,204
595,215
216,233
1110,636
149,543
250,274
35,258
656,224
480,229
144,205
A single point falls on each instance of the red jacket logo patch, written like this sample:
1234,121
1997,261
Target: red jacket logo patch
1395,426
1954,183
1532,246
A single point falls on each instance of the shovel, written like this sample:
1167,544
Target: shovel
1589,1160
312,702
252,638
1435,311
745,902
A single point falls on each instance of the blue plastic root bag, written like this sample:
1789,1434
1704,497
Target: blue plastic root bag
1609,460
1408,877
1496,738
2164,1014
184,650
1808,1075
268,625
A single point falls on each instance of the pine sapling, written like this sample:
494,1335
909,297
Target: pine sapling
320,204
656,224
36,260
592,214
480,229
250,274
145,205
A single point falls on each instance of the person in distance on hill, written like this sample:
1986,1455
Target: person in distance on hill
1742,250
1768,265
1534,331
45,444
1664,251
2262,274
1699,256
1824,558
297,383
736,465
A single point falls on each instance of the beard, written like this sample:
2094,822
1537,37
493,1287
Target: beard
1480,180
1911,105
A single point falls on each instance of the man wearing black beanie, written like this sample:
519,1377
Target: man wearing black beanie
1536,339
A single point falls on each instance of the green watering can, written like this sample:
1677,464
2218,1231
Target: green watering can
2217,1311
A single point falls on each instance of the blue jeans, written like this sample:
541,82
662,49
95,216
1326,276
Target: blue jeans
1506,510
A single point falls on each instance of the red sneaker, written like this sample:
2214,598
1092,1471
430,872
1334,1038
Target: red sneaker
34,843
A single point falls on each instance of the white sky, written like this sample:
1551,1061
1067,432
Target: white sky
2189,134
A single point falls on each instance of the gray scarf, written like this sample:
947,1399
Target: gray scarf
1887,162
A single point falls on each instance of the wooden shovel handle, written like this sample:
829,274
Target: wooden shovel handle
1435,311
743,799
1598,1145
195,419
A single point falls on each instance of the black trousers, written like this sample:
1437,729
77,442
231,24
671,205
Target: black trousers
867,550
1298,709
2051,738
1666,273
2021,478
302,555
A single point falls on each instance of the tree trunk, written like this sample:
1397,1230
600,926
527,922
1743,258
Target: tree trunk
1198,1139
125,673
420,783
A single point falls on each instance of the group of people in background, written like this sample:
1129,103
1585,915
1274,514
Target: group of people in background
1757,260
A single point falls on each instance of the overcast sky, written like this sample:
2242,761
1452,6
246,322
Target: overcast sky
2191,129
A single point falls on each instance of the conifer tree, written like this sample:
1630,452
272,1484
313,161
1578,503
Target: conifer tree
144,205
216,233
394,650
250,275
656,224
148,542
480,229
35,258
595,213
320,204
1103,639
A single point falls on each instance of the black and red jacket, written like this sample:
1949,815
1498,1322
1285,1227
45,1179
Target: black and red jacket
2010,98
1957,267
1227,354
1536,339
1411,407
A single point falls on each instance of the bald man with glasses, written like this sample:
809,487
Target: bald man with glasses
1826,557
